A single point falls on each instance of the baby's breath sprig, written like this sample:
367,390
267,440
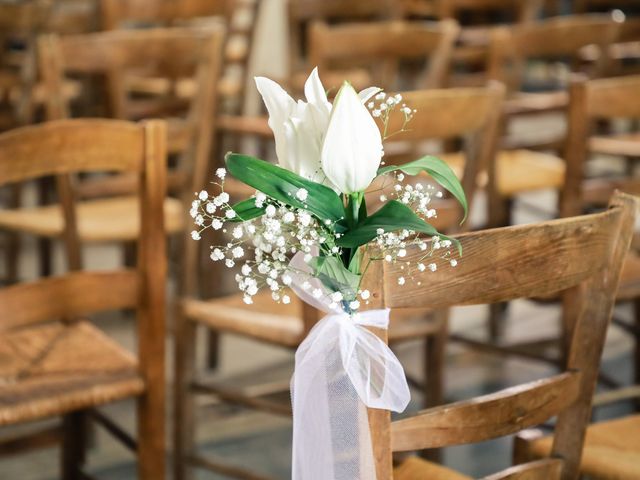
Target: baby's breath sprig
383,105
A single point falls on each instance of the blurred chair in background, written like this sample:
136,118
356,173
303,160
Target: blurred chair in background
303,13
534,62
107,210
373,53
586,187
505,264
478,18
53,362
472,114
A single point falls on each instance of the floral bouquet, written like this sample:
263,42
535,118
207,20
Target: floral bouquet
308,229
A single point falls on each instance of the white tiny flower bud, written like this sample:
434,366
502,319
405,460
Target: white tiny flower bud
354,305
286,299
365,294
453,262
302,194
433,267
229,263
195,235
221,173
231,213
203,195
237,232
400,280
336,296
270,210
246,269
247,299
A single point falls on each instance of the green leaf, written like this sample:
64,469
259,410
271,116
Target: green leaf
439,170
333,274
391,217
281,184
247,210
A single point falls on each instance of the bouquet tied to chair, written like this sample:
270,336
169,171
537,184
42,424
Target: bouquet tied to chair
307,230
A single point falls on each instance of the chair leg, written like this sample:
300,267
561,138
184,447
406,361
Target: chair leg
497,319
12,254
434,364
74,441
184,402
636,348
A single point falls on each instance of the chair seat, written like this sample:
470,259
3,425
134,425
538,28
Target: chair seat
282,324
54,368
610,452
627,144
103,220
518,171
414,468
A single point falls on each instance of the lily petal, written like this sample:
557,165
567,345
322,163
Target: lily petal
279,105
368,92
352,148
315,92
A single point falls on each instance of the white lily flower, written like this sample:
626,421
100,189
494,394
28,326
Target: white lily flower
352,148
298,127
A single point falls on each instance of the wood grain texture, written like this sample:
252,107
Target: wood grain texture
580,257
547,469
489,416
512,262
53,298
69,146
382,45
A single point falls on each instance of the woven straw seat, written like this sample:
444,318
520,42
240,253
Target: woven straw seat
111,219
414,468
282,324
53,369
519,171
611,449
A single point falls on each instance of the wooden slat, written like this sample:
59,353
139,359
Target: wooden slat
491,270
614,97
447,113
486,417
68,146
71,295
563,35
43,438
97,52
225,469
547,469
240,398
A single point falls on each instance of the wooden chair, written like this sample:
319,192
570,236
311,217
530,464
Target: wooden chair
53,362
478,19
303,13
239,16
175,53
373,52
452,113
603,99
590,102
500,265
555,39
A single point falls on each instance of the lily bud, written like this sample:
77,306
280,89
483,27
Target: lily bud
352,147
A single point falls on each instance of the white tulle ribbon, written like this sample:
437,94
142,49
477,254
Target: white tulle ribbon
341,368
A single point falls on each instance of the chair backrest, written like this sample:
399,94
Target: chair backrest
118,13
579,257
240,17
558,38
183,58
519,10
381,46
20,23
74,146
590,101
469,116
302,13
